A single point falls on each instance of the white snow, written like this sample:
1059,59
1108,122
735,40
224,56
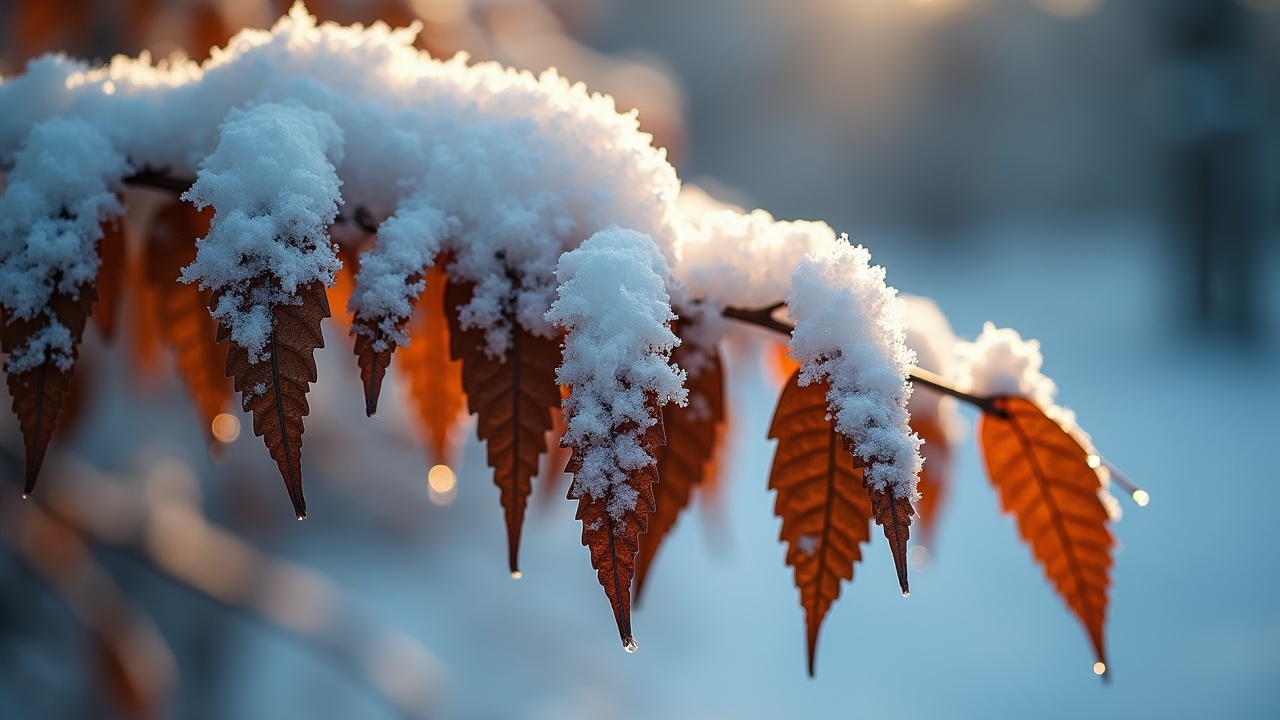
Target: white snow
1000,362
849,331
613,303
274,189
930,336
61,189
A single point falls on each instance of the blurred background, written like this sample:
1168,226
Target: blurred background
1103,175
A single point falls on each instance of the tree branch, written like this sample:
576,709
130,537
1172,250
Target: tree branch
162,180
763,317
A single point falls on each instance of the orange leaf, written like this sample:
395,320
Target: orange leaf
39,393
687,459
935,476
344,283
1045,481
182,309
275,388
110,277
826,513
614,540
435,379
513,398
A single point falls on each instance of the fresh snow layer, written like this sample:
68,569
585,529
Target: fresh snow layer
60,190
1000,362
613,303
849,331
274,189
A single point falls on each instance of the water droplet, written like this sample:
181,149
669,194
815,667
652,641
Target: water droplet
1099,668
1094,461
26,495
630,645
906,593
302,516
516,574
1141,497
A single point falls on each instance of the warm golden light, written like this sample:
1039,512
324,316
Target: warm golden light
1099,668
225,427
1141,497
442,485
1094,461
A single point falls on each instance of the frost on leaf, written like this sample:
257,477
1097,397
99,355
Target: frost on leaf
512,396
58,198
268,259
614,308
825,511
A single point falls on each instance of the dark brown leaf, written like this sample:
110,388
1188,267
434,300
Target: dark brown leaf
512,398
825,512
373,361
688,458
183,320
275,388
1046,483
40,393
110,277
894,515
614,541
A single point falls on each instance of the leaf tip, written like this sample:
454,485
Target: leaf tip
516,574
629,644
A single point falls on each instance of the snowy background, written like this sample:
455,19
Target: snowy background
1043,165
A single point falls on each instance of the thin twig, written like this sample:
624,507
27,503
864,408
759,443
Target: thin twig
763,317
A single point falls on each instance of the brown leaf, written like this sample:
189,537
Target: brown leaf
615,541
40,392
110,277
513,398
182,310
687,459
435,379
894,515
825,512
374,362
275,388
1045,481
935,476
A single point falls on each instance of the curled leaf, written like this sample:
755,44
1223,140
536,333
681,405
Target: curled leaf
825,512
1045,481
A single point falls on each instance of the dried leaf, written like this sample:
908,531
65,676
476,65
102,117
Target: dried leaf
275,388
1045,481
825,512
40,393
687,459
613,540
513,398
435,379
182,311
935,476
110,277
374,362
894,514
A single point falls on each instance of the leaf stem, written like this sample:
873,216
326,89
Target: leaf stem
763,317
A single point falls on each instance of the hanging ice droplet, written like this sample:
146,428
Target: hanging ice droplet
1099,668
630,645
906,593
516,574
1141,497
